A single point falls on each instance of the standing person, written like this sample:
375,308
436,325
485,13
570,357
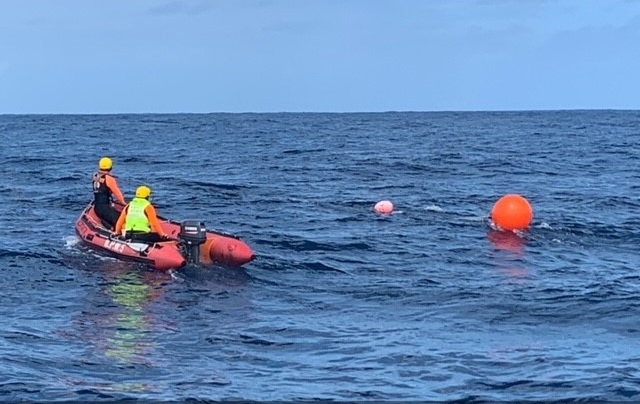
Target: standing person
139,220
105,188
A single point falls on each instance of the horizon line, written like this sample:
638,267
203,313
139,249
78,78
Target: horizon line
320,112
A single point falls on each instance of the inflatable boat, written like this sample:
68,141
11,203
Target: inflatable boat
189,242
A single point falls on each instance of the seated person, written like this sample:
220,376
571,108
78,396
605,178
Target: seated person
138,220
105,186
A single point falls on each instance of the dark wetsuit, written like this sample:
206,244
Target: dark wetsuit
102,196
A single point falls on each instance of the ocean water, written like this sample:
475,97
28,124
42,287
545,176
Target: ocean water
428,303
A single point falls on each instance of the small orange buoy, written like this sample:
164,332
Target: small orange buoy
383,207
512,212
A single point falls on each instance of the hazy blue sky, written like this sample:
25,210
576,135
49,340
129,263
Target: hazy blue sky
107,56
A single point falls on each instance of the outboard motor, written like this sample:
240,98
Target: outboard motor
192,234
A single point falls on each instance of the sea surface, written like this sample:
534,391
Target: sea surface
428,303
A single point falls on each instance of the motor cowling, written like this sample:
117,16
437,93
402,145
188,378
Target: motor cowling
193,234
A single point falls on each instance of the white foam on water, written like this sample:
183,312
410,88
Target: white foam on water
71,241
434,208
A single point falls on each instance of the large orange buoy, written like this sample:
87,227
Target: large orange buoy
383,207
512,212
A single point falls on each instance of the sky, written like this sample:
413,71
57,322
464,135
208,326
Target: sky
201,56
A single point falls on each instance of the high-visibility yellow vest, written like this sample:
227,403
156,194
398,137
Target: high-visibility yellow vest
136,219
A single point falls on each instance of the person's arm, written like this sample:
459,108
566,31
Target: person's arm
112,184
153,220
121,221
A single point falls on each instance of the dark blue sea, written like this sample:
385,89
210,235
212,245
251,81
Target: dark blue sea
343,304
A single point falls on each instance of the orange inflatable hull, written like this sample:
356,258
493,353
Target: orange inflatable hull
218,248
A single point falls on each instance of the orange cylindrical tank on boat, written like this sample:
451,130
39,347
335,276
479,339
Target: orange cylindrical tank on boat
225,251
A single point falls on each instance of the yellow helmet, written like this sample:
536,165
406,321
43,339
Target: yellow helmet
143,192
105,163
